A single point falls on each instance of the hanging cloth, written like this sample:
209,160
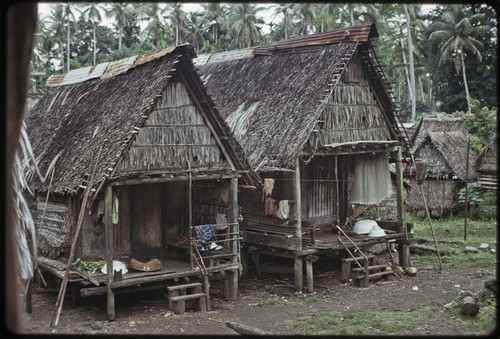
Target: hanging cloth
283,209
115,209
372,180
267,190
270,207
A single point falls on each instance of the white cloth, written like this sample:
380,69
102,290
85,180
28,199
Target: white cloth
283,209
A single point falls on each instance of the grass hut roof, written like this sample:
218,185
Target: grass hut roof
436,123
272,96
453,147
487,159
101,106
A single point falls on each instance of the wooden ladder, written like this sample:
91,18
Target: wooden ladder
363,273
178,294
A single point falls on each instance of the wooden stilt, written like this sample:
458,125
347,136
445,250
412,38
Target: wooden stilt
309,275
108,210
299,274
233,285
28,296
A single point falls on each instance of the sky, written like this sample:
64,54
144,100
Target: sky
267,14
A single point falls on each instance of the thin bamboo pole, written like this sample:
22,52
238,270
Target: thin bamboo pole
62,290
428,216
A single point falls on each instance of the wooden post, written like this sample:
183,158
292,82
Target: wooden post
402,248
108,210
234,216
190,214
298,270
309,275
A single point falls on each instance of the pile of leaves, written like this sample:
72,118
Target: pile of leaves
89,267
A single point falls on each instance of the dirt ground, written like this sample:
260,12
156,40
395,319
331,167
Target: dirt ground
264,303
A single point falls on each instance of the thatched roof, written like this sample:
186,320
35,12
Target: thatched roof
453,147
272,96
436,123
487,159
101,107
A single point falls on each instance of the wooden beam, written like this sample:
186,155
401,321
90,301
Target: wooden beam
177,177
298,204
108,217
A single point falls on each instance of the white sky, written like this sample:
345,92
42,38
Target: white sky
267,14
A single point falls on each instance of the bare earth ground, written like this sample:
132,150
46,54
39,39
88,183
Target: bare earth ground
263,303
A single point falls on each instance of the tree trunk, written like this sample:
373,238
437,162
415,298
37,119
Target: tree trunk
467,97
470,306
120,37
177,35
407,73
412,66
68,45
95,43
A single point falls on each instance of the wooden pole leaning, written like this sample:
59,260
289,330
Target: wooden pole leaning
64,283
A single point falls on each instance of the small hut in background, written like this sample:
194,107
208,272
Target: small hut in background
141,141
442,169
317,121
487,166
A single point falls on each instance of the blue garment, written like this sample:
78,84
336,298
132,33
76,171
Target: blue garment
205,233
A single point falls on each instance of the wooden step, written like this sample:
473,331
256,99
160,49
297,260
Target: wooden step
358,258
361,278
370,268
183,287
179,302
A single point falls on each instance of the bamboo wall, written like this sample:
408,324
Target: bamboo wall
441,195
436,165
53,223
174,133
351,113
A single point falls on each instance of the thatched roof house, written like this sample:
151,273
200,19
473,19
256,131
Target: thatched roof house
106,106
486,165
318,122
438,122
445,154
162,160
274,97
442,169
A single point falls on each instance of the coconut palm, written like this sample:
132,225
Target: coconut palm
284,9
56,21
215,14
68,18
122,14
306,13
155,32
92,13
326,15
176,16
245,23
194,29
457,33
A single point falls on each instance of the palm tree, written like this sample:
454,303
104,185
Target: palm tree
410,13
177,17
155,32
457,33
123,14
56,21
93,14
244,22
215,14
68,16
194,29
306,13
326,15
286,10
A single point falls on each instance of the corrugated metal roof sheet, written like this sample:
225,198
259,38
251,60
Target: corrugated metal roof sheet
106,69
118,67
78,75
141,59
201,60
359,33
204,59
